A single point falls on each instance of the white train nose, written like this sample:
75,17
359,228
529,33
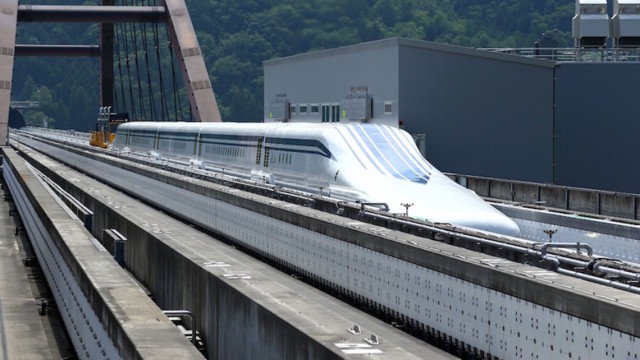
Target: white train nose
487,220
450,203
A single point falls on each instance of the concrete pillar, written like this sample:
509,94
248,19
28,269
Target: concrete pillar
106,60
8,21
194,73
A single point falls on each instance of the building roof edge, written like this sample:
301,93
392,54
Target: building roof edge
399,42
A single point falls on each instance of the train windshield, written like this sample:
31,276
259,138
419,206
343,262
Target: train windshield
389,153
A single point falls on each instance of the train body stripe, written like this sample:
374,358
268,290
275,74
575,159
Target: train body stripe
307,143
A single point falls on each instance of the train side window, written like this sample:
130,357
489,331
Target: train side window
303,109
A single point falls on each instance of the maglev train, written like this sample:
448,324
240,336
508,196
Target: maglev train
356,162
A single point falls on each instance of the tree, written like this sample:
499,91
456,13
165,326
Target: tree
41,117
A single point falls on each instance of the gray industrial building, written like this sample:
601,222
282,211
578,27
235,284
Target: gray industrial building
545,118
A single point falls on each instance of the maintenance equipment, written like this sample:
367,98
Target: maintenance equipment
105,127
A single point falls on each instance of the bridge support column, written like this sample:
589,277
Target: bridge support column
194,73
8,21
106,60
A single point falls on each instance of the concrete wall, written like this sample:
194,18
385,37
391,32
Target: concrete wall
483,114
326,77
606,203
597,126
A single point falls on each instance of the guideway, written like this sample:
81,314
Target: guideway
107,315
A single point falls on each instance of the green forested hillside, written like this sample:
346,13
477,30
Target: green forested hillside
236,36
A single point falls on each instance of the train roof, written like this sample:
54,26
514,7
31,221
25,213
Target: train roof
240,126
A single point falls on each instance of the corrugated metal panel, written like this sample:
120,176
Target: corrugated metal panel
597,126
481,115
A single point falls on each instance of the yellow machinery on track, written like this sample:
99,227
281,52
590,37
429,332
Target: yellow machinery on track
105,127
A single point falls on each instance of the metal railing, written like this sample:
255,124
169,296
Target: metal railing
574,54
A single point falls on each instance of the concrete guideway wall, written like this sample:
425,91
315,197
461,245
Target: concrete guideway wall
605,203
503,308
106,314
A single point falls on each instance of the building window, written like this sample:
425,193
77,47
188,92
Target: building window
315,109
303,109
387,107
